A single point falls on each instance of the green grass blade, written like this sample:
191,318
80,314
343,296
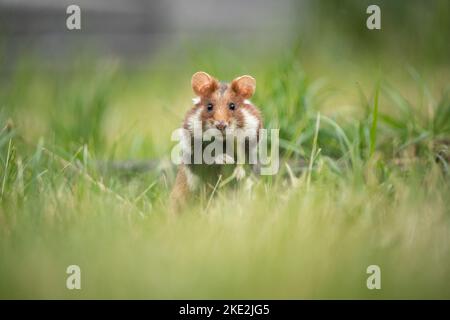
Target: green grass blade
373,129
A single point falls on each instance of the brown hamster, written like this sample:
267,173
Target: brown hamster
219,106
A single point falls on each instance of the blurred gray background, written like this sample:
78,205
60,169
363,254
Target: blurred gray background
134,29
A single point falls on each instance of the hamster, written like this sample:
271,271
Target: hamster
226,108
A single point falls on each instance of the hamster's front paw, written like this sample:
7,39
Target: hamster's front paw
239,173
224,159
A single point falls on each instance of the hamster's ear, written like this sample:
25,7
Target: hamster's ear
203,84
244,86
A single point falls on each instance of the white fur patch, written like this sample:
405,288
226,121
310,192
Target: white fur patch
251,122
195,121
246,101
194,129
196,100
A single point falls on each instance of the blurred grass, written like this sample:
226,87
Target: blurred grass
374,189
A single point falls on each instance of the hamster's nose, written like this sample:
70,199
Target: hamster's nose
221,125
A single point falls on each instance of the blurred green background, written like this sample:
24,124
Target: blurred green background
86,118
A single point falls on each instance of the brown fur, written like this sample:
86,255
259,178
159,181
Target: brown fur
180,191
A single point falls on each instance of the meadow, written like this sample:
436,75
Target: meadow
364,180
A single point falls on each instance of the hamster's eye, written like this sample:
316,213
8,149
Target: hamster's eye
232,106
209,106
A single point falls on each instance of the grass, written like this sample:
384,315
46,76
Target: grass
373,190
